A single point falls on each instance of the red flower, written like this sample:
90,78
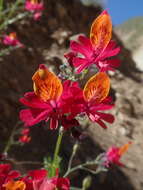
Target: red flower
71,100
90,55
95,95
52,184
96,50
62,103
114,154
33,175
35,180
6,174
51,100
35,7
12,40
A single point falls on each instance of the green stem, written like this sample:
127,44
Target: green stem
11,11
57,150
13,8
70,161
10,140
75,148
58,144
9,143
81,167
1,5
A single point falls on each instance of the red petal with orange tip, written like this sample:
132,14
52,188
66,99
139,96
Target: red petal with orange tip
101,31
47,86
97,88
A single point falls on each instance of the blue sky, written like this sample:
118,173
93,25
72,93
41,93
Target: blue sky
122,10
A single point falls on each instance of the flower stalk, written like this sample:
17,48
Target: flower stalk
84,166
57,150
75,148
11,141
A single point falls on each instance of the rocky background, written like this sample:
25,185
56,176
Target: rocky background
130,33
46,41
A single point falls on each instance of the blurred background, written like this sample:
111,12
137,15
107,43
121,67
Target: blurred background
120,10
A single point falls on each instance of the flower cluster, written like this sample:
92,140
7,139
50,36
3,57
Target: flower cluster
34,180
62,102
97,50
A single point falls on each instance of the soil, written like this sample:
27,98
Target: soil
45,42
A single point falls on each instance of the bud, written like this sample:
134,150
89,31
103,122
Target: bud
86,182
75,147
61,130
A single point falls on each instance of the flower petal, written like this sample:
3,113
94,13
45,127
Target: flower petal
124,148
102,124
37,174
47,85
114,62
53,123
13,185
32,116
101,107
31,100
106,117
85,41
78,61
108,53
97,88
108,65
77,47
101,31
85,65
13,174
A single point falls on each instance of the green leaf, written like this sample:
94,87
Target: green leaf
48,163
56,164
50,167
